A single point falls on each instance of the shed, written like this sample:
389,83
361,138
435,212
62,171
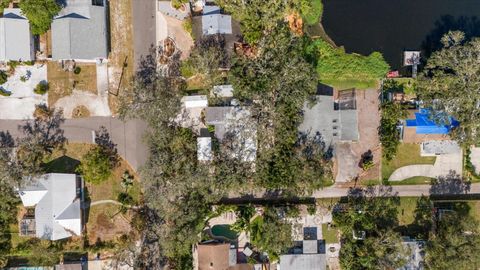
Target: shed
223,91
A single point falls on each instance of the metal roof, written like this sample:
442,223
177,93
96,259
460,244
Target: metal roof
16,41
57,213
80,31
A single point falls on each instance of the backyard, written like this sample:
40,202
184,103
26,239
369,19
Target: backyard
407,154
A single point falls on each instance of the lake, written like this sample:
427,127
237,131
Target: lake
390,27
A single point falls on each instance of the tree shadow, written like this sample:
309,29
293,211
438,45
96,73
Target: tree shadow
449,184
103,139
6,140
63,164
469,25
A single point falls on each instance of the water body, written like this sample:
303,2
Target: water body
392,26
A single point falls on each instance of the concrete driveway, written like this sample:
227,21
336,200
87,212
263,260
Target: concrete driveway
444,165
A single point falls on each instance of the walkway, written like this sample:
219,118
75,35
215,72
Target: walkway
444,165
128,136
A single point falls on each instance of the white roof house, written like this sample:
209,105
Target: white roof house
204,148
16,40
200,101
57,205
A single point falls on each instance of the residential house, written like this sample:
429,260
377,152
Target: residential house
333,116
423,127
16,40
79,32
235,128
219,256
57,201
214,22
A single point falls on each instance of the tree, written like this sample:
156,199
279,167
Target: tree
3,5
40,13
271,233
373,211
450,85
95,166
455,244
388,131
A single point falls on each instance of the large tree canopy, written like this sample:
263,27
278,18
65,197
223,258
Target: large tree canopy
372,212
280,81
450,83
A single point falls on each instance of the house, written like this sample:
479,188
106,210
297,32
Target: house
424,128
310,256
213,22
57,201
235,129
219,256
333,116
79,31
16,40
416,253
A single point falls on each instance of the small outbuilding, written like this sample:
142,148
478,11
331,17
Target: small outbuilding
213,22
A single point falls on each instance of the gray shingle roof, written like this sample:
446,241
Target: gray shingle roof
333,125
302,262
80,31
16,41
215,23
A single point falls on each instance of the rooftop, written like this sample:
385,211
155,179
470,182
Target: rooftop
213,22
303,261
80,31
57,205
424,123
16,41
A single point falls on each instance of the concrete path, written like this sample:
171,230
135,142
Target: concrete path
104,202
127,135
444,165
475,158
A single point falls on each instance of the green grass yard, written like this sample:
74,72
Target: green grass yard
407,154
330,235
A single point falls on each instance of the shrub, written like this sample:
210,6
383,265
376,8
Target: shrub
77,70
41,88
125,199
23,78
311,10
187,26
3,77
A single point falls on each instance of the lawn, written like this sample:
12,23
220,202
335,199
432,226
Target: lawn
63,82
406,210
416,180
407,154
330,235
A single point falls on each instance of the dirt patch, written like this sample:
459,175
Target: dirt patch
368,122
80,112
106,222
62,83
120,65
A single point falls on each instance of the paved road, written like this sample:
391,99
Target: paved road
144,28
127,135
